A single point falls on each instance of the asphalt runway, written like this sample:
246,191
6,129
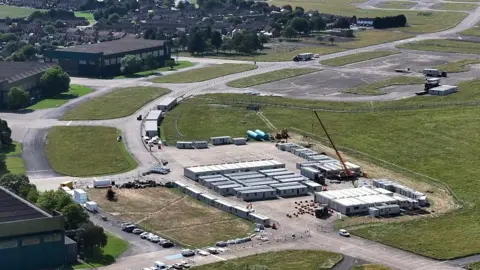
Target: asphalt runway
33,153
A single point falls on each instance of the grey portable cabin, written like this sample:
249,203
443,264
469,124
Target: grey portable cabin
259,219
240,174
295,175
261,183
239,141
271,174
257,194
240,211
209,183
200,144
273,170
293,179
185,145
292,191
151,129
312,186
180,186
192,192
154,115
227,190
167,103
311,173
250,176
207,199
221,140
222,205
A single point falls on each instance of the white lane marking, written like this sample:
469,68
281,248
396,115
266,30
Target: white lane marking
218,257
69,123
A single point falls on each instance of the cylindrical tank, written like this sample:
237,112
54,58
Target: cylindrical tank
253,135
262,134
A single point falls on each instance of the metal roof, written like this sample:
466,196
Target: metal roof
115,46
233,185
257,190
151,126
234,166
299,186
153,115
285,184
223,202
311,184
249,188
166,101
262,183
15,208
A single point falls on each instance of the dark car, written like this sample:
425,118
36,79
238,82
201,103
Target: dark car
188,253
167,244
130,228
139,117
221,244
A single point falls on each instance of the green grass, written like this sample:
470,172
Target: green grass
270,77
13,159
440,143
86,15
396,4
114,248
120,102
15,12
421,22
358,57
444,45
280,260
455,6
376,87
179,65
458,66
474,32
87,151
370,267
74,92
204,74
474,266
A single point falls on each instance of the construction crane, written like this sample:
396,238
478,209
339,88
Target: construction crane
346,172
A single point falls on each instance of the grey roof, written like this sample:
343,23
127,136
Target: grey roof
153,115
115,46
14,71
151,126
257,190
14,208
291,187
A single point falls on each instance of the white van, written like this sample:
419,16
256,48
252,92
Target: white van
159,265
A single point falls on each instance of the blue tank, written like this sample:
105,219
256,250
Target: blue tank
253,135
262,134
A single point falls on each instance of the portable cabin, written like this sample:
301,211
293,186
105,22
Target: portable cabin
286,146
257,194
259,219
151,129
207,199
221,140
273,174
192,192
240,211
185,145
80,196
239,141
167,104
210,182
241,189
222,205
202,179
443,90
292,191
155,116
214,185
249,176
227,190
240,174
273,170
299,165
261,183
311,173
312,186
200,144
299,179
180,186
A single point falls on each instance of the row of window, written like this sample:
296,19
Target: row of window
31,241
114,61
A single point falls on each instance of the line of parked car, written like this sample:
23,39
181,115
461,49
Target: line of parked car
132,228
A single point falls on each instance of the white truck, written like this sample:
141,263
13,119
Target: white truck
433,72
303,57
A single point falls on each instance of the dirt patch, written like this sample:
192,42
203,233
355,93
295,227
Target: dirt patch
440,198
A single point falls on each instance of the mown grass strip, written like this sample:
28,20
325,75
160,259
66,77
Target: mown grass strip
357,57
270,77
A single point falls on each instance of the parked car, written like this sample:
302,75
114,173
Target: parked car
212,250
185,264
177,266
344,232
203,253
221,244
144,235
188,253
160,265
124,225
130,228
155,239
167,244
137,231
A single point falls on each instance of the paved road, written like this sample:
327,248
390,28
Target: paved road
31,128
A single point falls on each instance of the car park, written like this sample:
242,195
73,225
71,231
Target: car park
188,253
137,231
344,232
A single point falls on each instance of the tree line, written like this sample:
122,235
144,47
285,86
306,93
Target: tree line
390,22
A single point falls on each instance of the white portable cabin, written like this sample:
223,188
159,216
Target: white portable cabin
239,141
432,72
65,188
192,192
310,173
213,185
312,186
292,191
180,186
154,115
207,199
299,179
227,190
98,183
166,104
194,172
286,146
200,144
151,129
240,211
384,210
222,205
259,219
273,174
443,90
257,194
299,165
241,189
240,174
273,170
221,140
80,196
185,145
91,206
298,151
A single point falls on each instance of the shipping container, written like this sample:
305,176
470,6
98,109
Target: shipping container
98,183
239,141
200,144
221,140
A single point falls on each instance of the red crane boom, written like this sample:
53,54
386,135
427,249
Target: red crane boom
346,170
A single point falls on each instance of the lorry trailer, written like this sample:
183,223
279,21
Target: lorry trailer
303,57
433,72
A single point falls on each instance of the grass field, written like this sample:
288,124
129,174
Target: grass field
174,215
474,31
179,65
396,4
376,87
114,248
421,22
370,267
13,159
74,92
455,6
15,12
280,260
355,58
443,45
120,102
474,266
440,143
86,15
204,74
87,151
458,66
270,77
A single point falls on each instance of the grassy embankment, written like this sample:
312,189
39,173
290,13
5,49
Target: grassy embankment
178,66
114,248
75,91
204,74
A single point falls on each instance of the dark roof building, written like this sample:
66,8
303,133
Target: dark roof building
25,75
30,238
103,59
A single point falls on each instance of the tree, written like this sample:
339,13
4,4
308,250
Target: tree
17,183
320,39
54,81
74,215
263,39
331,39
59,24
110,194
114,17
217,40
49,29
299,24
5,133
92,238
28,51
182,40
170,63
342,23
289,32
181,5
151,14
17,98
130,64
319,23
196,42
151,62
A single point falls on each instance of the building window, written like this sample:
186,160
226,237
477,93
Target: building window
8,244
155,53
52,238
82,62
30,241
144,55
47,59
160,52
55,60
113,61
107,62
138,55
91,62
